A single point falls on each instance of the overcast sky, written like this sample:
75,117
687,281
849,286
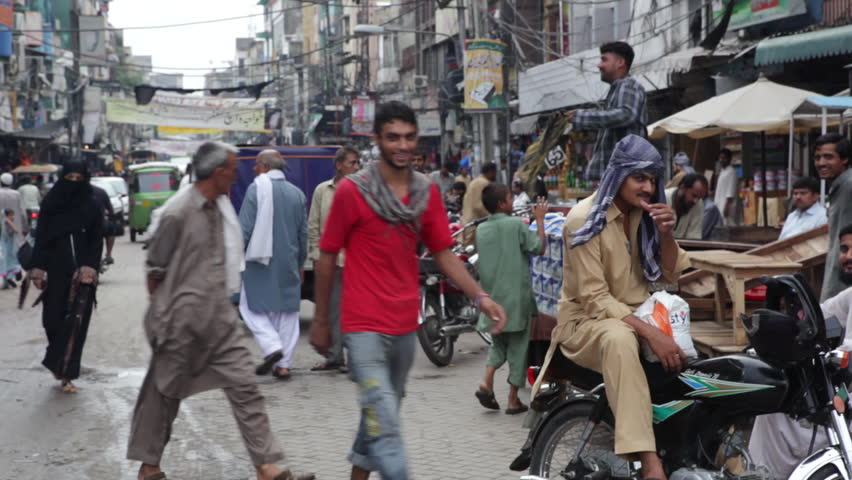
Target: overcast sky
203,46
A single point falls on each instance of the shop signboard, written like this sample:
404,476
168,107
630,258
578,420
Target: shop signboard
429,124
748,13
363,114
93,40
483,75
7,22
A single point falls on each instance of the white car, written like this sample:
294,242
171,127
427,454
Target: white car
118,205
118,186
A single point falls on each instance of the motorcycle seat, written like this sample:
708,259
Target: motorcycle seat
587,379
428,266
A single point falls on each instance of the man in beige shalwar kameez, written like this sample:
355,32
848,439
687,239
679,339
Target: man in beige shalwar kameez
197,341
614,241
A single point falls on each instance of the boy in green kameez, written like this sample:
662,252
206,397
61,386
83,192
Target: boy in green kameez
504,244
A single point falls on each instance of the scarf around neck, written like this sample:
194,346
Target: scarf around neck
260,244
386,204
632,154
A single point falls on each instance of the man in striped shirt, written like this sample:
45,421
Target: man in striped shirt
623,111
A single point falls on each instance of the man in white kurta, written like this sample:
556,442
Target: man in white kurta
778,441
273,218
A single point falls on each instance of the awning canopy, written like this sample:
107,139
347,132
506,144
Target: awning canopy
760,106
524,125
803,46
48,131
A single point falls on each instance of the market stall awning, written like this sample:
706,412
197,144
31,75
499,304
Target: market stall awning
524,125
804,46
48,131
760,106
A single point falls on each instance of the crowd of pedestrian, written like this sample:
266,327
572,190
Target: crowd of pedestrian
363,233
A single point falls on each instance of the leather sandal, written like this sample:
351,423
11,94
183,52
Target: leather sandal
288,475
156,476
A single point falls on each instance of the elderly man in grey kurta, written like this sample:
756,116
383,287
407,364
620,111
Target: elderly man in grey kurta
275,229
195,335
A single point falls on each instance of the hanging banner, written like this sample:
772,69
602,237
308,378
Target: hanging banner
174,147
483,75
187,111
363,114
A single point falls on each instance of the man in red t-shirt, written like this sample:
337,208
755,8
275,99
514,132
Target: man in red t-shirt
378,216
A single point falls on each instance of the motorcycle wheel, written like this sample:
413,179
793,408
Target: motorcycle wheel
828,472
558,441
439,349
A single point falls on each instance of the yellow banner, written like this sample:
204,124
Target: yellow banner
483,74
168,130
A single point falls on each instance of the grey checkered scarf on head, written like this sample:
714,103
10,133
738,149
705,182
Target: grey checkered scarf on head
386,204
632,154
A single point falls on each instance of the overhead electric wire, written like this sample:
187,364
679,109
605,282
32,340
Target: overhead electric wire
204,22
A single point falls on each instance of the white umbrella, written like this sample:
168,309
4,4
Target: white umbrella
762,106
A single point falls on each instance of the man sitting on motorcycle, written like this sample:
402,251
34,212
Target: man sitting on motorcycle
617,243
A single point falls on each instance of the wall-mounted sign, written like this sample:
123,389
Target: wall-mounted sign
753,12
483,74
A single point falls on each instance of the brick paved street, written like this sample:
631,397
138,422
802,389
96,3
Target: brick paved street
45,434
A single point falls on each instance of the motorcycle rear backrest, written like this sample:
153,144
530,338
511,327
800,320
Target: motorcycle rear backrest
792,294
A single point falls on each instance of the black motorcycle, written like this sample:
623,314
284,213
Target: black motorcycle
700,414
446,312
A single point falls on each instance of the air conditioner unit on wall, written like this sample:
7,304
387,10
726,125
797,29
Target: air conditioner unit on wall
421,82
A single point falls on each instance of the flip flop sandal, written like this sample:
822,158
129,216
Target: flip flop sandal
268,361
287,475
514,411
487,400
324,367
343,369
156,476
281,376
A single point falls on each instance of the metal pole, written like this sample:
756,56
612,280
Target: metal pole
763,174
462,48
790,159
280,101
75,114
485,145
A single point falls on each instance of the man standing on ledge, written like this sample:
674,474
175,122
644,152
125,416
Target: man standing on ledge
379,215
624,109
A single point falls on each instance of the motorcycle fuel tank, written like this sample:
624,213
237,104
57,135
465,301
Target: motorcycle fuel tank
737,382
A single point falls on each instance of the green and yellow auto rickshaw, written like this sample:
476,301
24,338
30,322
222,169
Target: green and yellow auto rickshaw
150,184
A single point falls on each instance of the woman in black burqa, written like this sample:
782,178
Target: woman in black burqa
67,252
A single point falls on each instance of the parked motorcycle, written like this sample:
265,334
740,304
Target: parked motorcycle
32,218
699,415
446,312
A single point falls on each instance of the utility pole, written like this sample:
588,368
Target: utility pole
462,61
486,145
75,101
280,101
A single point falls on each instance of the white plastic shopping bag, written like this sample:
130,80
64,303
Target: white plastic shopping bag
669,313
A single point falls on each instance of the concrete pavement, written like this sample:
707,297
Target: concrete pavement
47,434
